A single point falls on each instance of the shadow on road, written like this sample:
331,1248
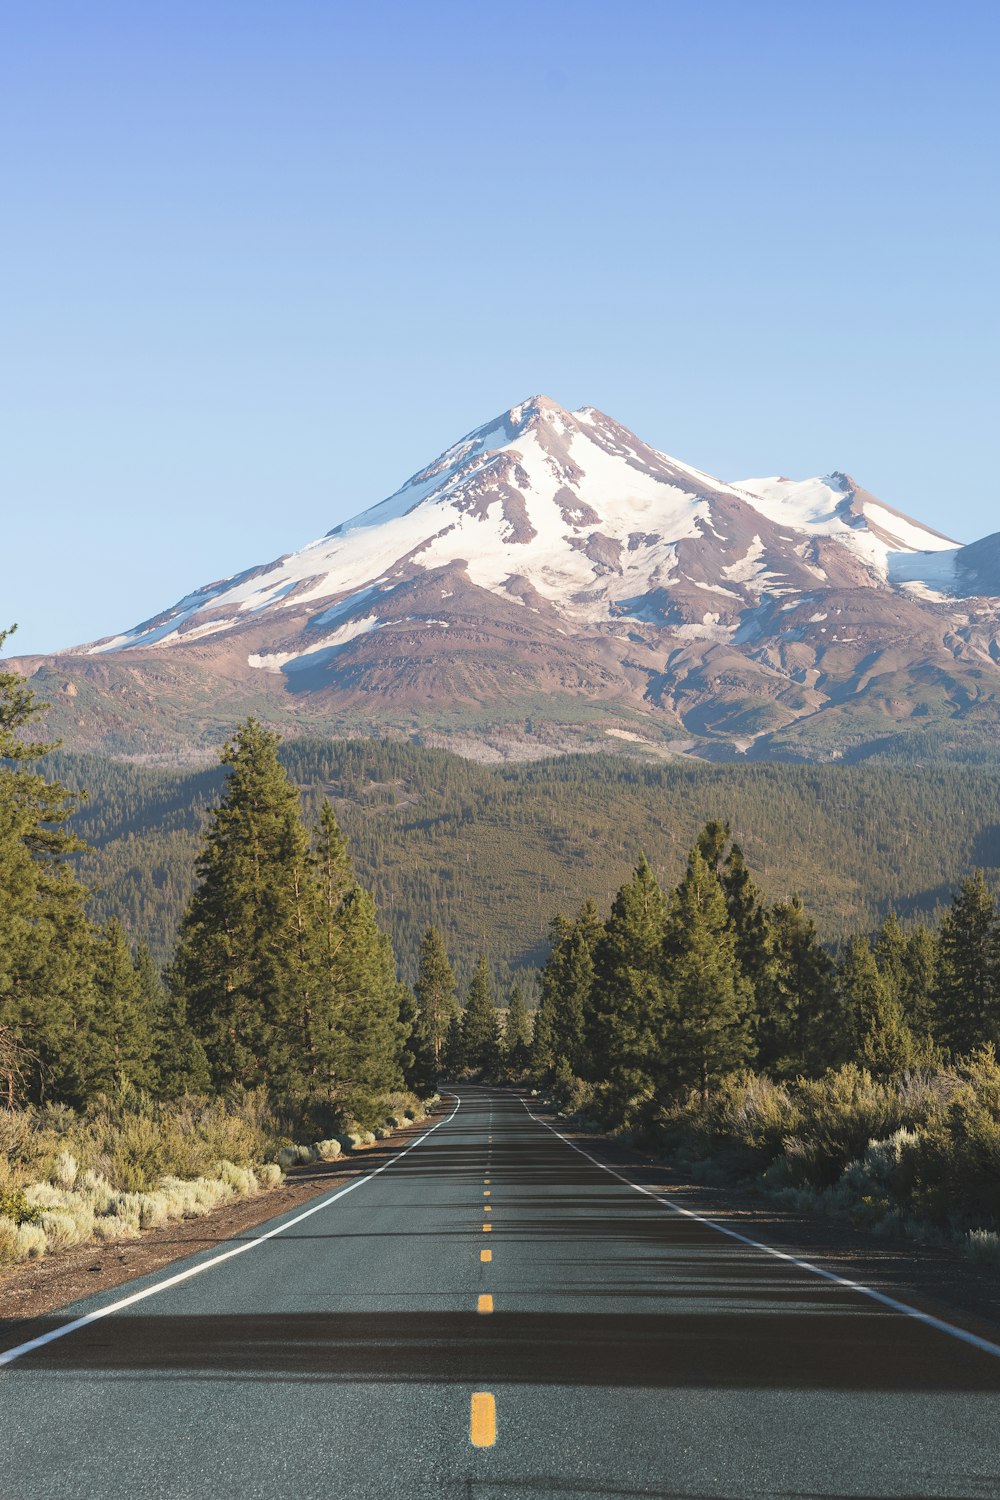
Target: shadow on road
846,1351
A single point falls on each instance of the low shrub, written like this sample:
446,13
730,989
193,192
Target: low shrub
983,1246
327,1150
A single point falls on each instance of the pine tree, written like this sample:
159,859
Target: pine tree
567,982
363,1044
46,942
920,983
626,1009
799,1026
749,917
117,1041
883,1042
710,1008
481,1024
435,987
178,1063
417,1063
968,982
543,1040
517,1036
711,843
453,1062
243,962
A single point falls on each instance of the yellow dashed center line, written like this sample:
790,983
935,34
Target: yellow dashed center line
487,1228
485,1304
485,1255
486,1192
487,1209
483,1420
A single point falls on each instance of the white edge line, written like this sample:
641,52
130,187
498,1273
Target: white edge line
8,1356
794,1260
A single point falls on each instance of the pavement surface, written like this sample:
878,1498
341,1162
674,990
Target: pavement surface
494,1314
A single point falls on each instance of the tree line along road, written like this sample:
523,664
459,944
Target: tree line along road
495,1314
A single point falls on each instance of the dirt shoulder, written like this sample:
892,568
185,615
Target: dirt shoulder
42,1286
935,1280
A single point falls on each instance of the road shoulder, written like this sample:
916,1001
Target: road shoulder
934,1279
39,1287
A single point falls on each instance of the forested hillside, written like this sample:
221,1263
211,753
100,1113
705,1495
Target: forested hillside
491,854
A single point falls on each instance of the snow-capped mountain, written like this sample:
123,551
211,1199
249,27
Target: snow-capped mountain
552,567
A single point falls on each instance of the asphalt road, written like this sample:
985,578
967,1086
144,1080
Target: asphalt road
494,1315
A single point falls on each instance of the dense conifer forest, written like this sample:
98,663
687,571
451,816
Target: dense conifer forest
490,855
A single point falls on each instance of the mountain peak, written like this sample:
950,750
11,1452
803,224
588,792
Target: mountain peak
552,554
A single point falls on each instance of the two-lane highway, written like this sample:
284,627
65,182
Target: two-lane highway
494,1314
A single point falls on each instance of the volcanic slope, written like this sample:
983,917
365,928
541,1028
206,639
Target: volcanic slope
553,582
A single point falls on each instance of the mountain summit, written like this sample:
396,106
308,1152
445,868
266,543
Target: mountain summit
551,581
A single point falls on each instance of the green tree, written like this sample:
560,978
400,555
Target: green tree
453,1060
883,1042
363,1048
243,963
626,1010
567,982
46,942
117,1043
517,1035
417,1062
710,1008
799,1022
178,1062
968,980
481,1024
749,917
435,987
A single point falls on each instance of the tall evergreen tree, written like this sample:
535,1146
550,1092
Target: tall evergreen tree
626,1010
749,917
453,1061
117,1043
799,1026
363,1047
435,987
883,1042
46,944
708,1019
418,1065
178,1063
567,981
242,962
517,1035
481,1024
968,981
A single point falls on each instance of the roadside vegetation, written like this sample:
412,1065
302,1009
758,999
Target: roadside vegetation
714,1028
129,1096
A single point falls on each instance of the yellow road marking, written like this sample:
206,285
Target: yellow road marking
485,1255
483,1420
487,1208
487,1228
485,1304
486,1192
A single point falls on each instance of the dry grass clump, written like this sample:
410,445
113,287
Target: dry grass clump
127,1166
983,1246
327,1150
131,1164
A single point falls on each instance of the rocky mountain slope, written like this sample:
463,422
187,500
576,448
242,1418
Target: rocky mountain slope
552,582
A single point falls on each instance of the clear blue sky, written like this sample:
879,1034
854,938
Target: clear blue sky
262,261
